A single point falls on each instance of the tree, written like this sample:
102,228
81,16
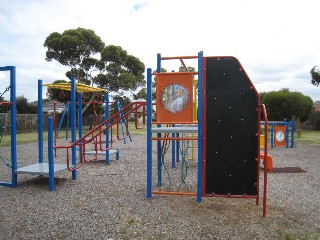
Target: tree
76,49
124,101
119,70
315,76
58,94
85,53
142,94
5,107
24,107
288,105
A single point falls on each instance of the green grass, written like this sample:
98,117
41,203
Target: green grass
309,137
23,138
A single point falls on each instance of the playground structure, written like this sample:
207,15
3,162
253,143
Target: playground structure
222,122
227,129
76,152
281,133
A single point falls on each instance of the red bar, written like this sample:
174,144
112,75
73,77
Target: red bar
3,103
230,196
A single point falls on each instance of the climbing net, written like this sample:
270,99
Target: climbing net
182,177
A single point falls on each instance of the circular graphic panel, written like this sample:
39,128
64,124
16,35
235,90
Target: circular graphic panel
174,98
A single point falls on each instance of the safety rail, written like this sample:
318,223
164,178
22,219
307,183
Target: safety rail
265,173
95,135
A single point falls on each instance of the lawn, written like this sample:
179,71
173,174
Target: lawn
23,138
309,137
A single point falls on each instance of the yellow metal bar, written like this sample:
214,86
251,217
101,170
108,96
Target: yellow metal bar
80,87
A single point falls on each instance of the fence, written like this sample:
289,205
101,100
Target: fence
29,122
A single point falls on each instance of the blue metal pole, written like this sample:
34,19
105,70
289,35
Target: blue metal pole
149,134
80,133
159,150
62,117
106,96
178,149
200,125
272,136
121,120
68,120
13,128
13,125
40,121
287,134
50,154
73,126
173,162
292,133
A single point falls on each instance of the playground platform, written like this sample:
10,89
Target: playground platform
175,130
41,169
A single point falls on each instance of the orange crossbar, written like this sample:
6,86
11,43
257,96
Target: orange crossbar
175,193
180,57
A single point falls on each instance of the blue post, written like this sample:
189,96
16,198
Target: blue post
13,125
106,96
40,120
80,133
62,117
73,126
149,134
292,133
68,120
13,121
159,158
50,154
13,128
173,162
178,148
121,121
272,136
200,125
287,134
159,150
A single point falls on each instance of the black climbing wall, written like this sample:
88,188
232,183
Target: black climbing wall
231,126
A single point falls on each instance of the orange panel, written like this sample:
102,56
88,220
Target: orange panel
280,136
174,97
269,164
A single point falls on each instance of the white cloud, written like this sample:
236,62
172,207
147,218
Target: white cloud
276,41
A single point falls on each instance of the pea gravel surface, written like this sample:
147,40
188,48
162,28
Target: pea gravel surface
109,201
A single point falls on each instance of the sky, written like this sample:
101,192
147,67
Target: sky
276,41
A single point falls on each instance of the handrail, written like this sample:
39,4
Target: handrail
265,174
97,131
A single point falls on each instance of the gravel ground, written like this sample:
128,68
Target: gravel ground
109,202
